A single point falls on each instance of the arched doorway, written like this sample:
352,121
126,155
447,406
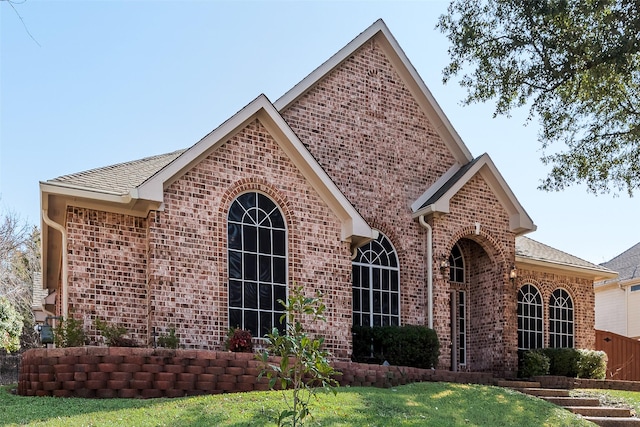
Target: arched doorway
476,286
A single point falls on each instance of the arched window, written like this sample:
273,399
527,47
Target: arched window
456,265
257,249
560,319
456,275
376,284
530,324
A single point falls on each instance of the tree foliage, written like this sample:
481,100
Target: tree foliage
10,326
19,266
575,63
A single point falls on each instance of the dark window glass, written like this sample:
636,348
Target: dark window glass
376,284
257,279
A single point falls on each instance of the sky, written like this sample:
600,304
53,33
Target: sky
85,84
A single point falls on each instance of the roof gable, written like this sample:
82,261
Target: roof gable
144,190
381,34
436,200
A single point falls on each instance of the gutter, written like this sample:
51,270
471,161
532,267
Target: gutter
64,297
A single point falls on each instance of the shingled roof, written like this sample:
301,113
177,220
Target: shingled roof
117,179
530,250
627,264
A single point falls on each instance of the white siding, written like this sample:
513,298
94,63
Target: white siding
633,308
611,311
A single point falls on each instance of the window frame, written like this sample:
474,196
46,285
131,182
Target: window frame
557,337
528,318
364,262
250,260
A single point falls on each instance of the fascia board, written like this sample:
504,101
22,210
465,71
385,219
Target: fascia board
519,221
262,109
66,190
435,187
405,70
545,265
153,188
441,206
353,224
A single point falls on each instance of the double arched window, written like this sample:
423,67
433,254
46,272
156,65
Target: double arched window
257,251
530,322
376,284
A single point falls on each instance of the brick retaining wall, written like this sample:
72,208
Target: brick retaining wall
550,381
102,372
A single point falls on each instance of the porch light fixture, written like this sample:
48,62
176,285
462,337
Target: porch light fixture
444,264
513,273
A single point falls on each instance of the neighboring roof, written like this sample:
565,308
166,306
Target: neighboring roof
117,179
435,201
533,252
380,32
627,264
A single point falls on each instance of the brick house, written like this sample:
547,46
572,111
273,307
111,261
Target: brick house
353,183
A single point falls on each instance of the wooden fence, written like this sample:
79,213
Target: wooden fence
623,354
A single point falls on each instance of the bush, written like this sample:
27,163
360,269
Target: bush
563,361
69,332
408,345
566,362
114,335
170,339
592,364
533,363
239,341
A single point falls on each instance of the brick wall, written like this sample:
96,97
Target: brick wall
101,372
107,270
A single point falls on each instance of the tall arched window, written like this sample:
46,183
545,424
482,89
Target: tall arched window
376,284
456,265
257,250
530,324
560,319
456,275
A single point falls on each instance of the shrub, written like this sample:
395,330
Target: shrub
69,332
533,363
408,345
239,341
563,361
170,339
114,335
592,364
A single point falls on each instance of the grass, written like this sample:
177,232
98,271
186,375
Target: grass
423,404
629,399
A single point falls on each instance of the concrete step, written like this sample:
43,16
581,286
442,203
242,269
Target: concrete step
517,384
615,421
573,401
600,411
545,392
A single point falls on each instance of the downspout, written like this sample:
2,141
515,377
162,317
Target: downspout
64,299
429,268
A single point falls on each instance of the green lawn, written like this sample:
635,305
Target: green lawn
615,397
423,404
